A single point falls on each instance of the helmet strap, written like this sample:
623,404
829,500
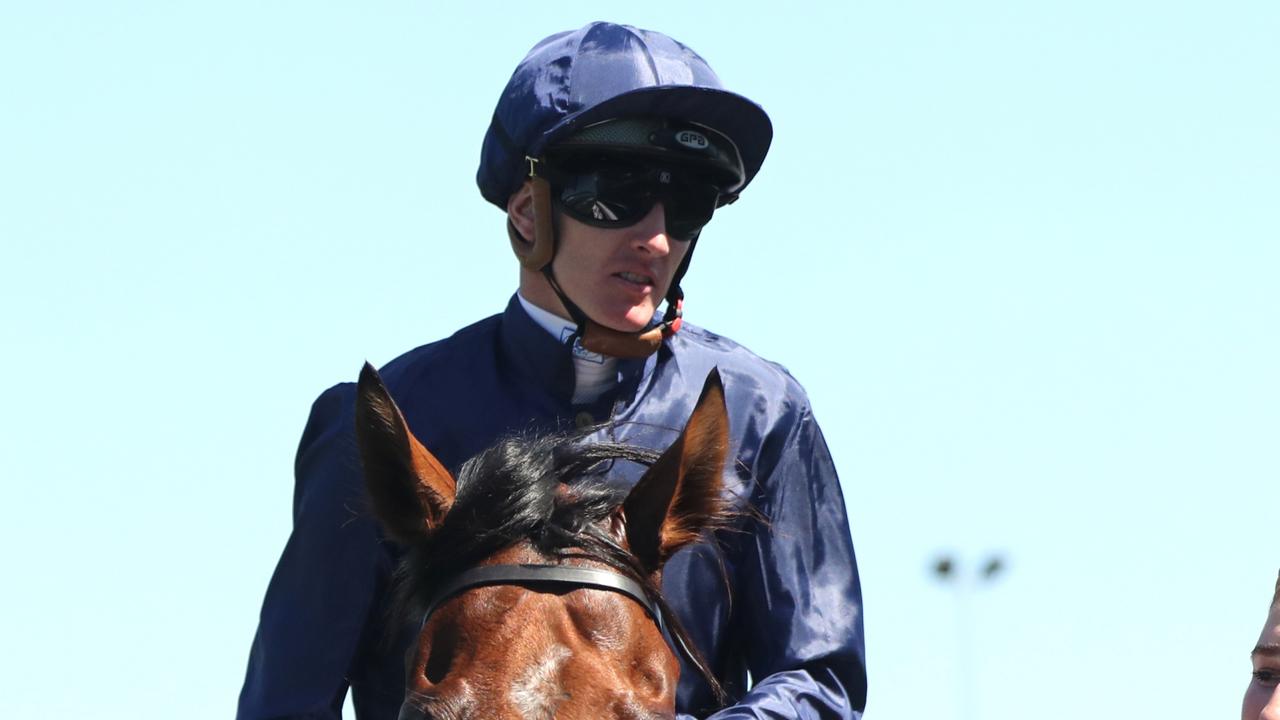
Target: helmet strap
597,338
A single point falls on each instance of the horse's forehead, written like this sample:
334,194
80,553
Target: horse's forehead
514,555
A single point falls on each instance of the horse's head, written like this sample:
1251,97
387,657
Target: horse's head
540,647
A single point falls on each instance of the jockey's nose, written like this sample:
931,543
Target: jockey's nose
651,232
1271,711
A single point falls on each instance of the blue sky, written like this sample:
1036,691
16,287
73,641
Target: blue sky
1022,255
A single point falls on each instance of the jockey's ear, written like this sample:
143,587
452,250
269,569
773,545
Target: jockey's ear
520,213
411,491
681,495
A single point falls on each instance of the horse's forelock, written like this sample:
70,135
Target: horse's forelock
547,490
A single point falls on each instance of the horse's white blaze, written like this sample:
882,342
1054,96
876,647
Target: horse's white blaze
536,692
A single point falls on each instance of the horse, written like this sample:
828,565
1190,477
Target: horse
537,581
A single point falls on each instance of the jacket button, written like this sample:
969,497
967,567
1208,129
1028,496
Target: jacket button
584,420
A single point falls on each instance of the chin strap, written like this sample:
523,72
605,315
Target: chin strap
590,334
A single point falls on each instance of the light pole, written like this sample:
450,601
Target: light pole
948,570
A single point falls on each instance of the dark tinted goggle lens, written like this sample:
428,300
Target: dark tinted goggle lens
617,197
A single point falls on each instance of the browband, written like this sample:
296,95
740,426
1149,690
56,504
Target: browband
578,577
555,574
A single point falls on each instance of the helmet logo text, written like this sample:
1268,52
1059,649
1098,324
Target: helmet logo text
692,140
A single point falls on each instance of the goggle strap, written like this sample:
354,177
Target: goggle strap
536,254
544,234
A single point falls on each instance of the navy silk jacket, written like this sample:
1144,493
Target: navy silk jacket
793,620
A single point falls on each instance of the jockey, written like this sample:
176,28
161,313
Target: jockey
610,150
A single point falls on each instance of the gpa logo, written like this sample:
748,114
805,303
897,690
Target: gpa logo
692,140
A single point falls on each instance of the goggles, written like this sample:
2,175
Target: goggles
618,194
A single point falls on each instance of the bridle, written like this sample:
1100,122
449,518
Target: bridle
563,576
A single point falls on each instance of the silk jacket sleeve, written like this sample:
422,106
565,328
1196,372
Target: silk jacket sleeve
319,614
799,589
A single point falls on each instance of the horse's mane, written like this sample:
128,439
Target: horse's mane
548,490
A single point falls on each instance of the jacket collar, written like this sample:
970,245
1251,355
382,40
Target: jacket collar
533,355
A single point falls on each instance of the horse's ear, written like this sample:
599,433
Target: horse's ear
681,494
410,489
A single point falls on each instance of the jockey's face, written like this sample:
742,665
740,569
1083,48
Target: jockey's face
618,276
1262,699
